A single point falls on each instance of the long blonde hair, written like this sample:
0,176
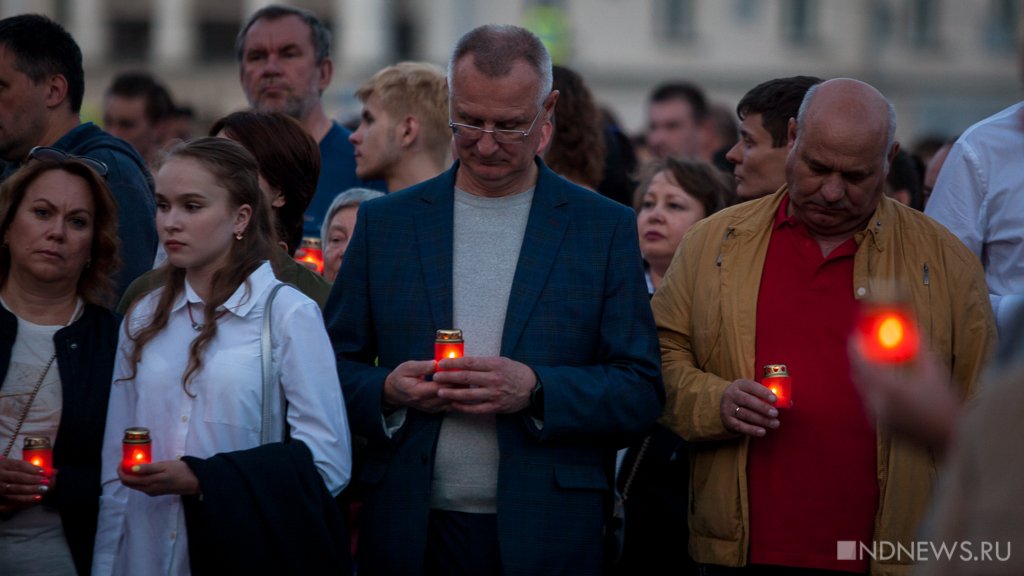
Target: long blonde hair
235,169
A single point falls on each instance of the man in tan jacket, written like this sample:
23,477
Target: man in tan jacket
781,280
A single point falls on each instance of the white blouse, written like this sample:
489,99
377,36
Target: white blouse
139,534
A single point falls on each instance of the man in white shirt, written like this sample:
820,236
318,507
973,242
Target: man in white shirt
979,196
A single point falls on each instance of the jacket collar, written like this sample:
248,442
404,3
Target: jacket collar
882,223
754,216
544,231
760,215
441,188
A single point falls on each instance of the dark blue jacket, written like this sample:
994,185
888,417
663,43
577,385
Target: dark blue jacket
132,185
578,315
85,359
264,510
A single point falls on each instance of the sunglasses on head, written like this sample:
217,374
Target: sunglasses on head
56,155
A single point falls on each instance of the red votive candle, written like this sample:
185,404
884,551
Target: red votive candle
776,378
136,448
38,452
888,334
448,344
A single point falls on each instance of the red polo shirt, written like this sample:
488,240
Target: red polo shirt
813,481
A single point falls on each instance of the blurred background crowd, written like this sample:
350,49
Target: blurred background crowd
945,64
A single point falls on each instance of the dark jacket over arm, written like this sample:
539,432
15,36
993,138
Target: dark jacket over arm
264,511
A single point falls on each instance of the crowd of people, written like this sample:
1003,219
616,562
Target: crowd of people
621,304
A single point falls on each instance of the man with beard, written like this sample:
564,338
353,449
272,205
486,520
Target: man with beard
284,56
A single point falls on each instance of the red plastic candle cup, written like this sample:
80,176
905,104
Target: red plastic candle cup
136,448
448,344
777,379
888,334
38,452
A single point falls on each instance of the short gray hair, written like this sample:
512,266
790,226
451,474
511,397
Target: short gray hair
496,47
350,197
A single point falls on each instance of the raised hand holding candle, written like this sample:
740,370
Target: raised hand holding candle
776,378
136,448
888,334
448,344
38,452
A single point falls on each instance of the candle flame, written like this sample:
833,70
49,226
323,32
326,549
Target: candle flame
774,390
37,461
890,332
139,456
451,354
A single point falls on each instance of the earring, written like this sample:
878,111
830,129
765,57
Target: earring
239,236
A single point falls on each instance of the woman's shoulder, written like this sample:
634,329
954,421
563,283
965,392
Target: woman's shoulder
290,309
139,287
100,314
286,296
143,308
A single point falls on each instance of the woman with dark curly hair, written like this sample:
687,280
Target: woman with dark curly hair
577,148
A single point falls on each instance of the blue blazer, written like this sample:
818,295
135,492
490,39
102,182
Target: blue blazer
578,315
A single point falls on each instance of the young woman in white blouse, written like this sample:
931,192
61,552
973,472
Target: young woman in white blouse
189,364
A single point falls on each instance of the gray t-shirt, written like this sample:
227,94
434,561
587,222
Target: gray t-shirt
488,234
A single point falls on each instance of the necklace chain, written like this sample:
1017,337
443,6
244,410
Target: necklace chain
28,405
198,326
39,383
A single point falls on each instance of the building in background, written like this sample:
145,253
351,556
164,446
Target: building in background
944,63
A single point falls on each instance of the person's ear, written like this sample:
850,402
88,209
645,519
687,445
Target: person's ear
242,217
326,71
892,153
408,130
56,90
547,128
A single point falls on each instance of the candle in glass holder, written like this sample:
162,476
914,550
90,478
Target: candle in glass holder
136,448
38,452
776,378
448,344
888,334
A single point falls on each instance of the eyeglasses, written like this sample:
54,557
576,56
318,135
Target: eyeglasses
469,134
57,155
